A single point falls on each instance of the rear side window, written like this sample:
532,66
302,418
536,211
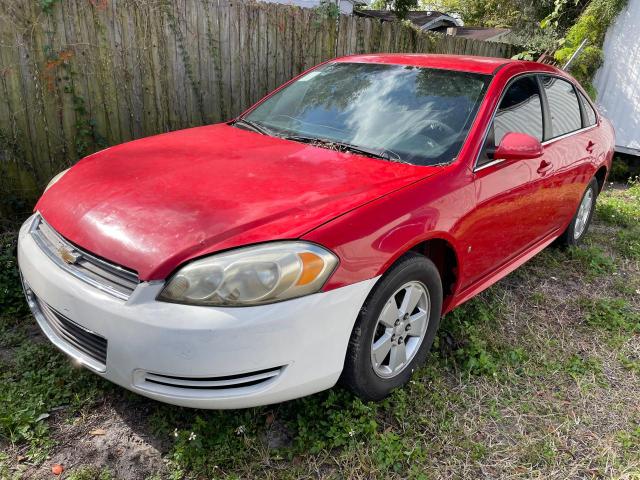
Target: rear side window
563,106
590,113
520,111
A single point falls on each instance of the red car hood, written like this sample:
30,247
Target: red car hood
154,203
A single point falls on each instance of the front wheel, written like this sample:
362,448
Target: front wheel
395,328
579,225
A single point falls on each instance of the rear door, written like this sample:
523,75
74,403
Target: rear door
570,145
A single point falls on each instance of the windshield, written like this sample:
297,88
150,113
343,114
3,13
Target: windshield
409,114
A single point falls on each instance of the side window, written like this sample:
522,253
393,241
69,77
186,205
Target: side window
563,106
520,110
590,113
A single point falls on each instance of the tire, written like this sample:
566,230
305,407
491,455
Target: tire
363,374
579,226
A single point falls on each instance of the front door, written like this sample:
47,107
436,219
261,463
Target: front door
510,213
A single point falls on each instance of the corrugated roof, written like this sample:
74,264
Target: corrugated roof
418,18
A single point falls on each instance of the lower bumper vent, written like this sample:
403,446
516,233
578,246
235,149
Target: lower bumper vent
77,337
228,382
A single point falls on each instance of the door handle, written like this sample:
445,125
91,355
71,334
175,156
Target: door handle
590,146
544,166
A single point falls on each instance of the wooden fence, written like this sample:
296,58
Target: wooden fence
80,75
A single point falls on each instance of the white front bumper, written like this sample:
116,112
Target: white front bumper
189,347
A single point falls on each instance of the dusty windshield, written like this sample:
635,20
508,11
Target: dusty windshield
404,113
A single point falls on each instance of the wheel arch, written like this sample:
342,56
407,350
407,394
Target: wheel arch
601,176
442,252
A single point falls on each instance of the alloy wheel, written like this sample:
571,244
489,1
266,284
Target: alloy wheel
400,329
582,218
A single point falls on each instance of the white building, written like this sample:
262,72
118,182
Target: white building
618,80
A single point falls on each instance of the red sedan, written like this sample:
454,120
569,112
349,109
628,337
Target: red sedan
319,236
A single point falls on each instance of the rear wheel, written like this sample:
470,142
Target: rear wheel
579,225
395,328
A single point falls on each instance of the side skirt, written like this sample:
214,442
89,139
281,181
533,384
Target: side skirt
504,270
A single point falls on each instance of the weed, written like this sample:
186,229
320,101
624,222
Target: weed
629,439
540,453
11,296
393,452
627,242
577,366
613,315
593,259
205,441
330,420
467,336
90,473
619,170
620,207
40,379
630,363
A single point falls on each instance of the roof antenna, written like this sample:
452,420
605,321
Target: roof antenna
575,54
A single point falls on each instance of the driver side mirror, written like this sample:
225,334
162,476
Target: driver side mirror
518,146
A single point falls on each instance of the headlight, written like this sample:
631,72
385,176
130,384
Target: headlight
252,276
55,179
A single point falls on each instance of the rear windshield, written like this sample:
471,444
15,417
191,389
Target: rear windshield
417,115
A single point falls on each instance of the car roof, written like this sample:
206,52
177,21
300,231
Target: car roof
463,63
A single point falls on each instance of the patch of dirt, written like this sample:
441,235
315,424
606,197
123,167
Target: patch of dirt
109,438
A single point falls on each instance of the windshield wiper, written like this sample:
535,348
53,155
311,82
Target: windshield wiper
346,147
256,127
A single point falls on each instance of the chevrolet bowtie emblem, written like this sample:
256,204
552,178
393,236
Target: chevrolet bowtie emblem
67,255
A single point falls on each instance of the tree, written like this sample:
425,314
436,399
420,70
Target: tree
399,7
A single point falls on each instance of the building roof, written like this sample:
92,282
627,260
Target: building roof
434,20
422,19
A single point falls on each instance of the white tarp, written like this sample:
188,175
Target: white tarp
618,80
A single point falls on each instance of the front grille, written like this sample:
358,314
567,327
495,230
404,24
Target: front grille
79,338
108,277
228,382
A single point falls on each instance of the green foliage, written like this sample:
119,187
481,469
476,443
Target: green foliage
592,25
592,258
39,379
627,242
629,441
206,441
90,473
564,14
330,420
12,299
47,5
467,337
578,366
620,171
612,314
399,7
393,452
327,10
620,207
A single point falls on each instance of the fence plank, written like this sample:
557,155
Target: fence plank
88,74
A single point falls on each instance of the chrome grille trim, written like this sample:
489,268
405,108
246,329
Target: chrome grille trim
108,277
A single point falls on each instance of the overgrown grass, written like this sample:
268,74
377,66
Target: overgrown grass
516,385
621,207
